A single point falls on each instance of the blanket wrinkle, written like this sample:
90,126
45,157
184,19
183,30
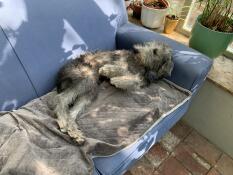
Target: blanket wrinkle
16,120
7,139
31,143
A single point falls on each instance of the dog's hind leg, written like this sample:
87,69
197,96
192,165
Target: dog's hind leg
80,95
80,105
76,111
62,102
64,120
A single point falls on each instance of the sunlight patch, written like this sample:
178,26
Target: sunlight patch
189,53
72,42
151,139
42,168
113,18
12,103
12,14
7,50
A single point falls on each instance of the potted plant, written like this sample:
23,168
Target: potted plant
127,3
136,6
213,30
172,19
154,12
171,22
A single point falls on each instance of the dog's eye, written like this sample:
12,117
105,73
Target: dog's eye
155,51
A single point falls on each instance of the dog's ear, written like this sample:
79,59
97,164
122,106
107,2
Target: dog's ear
135,50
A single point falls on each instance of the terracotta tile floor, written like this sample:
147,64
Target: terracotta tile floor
183,151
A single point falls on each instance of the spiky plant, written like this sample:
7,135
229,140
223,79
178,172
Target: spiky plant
217,15
175,11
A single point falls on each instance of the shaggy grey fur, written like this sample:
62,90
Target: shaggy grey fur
77,83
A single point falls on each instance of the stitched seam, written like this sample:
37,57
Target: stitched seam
20,62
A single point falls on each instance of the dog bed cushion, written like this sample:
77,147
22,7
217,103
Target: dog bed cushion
31,143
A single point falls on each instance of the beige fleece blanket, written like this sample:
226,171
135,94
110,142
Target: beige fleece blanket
31,143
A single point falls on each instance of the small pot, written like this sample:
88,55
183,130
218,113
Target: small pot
211,43
127,3
170,25
153,17
136,10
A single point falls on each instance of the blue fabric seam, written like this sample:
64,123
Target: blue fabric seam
116,170
20,62
199,79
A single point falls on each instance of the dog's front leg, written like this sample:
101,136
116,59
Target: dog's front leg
128,82
110,70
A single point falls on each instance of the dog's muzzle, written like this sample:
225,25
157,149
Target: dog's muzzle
151,76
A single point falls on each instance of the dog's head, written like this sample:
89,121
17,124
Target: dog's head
156,57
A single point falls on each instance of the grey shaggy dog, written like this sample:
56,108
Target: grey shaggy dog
78,80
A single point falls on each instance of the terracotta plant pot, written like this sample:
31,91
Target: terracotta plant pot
127,3
170,24
156,4
137,8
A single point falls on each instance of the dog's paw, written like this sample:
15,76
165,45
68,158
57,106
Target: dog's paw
75,133
128,82
80,140
110,71
62,124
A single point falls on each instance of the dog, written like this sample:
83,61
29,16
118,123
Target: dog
78,80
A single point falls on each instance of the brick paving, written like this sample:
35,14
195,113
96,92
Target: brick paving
183,151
